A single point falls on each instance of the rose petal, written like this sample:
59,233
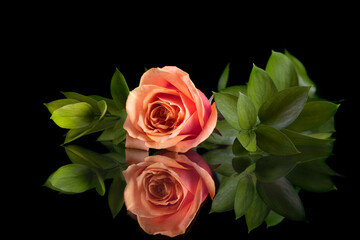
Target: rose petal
135,143
185,145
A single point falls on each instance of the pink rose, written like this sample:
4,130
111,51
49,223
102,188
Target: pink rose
166,111
165,191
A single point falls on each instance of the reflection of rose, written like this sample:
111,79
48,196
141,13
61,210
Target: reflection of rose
167,111
165,191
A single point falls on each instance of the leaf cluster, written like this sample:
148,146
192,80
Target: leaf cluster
84,115
276,134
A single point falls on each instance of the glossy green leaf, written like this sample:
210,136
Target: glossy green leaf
54,105
282,198
72,178
222,158
272,167
282,71
227,134
247,140
303,77
96,126
83,98
241,163
116,195
72,116
310,148
224,78
226,104
314,114
225,196
119,89
238,149
246,112
257,212
244,196
112,108
260,87
283,107
273,141
234,90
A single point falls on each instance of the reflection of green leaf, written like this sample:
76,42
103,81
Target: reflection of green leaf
282,71
224,199
226,104
314,114
314,176
273,141
257,212
281,197
245,191
224,78
273,219
71,178
260,87
116,194
270,168
283,107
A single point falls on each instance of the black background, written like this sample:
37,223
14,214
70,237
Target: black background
78,50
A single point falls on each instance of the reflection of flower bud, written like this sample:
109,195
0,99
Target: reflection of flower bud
167,111
165,191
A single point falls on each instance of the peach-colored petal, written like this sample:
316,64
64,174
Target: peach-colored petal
135,143
185,145
177,223
134,156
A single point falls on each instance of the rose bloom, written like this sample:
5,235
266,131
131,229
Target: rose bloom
166,111
165,191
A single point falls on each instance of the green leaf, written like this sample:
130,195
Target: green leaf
116,195
260,87
273,141
313,176
240,164
225,197
313,115
71,178
224,78
119,89
72,116
246,112
282,198
257,212
112,108
244,195
273,219
227,134
80,155
83,98
54,105
247,140
221,157
304,79
238,149
282,71
226,104
234,90
270,168
96,126
283,107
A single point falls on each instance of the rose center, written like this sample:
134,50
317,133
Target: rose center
162,117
